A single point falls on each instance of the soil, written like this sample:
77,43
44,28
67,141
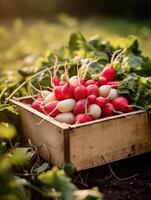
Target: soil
129,179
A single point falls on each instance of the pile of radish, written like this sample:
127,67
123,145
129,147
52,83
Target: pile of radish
78,100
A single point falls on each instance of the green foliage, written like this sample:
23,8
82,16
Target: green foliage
138,90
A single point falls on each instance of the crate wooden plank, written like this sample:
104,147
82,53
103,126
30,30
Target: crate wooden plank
113,139
86,145
46,136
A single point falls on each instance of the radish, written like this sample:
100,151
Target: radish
62,83
39,98
120,104
55,80
114,84
101,101
80,107
104,90
80,92
91,99
109,72
49,98
37,105
82,81
75,80
95,111
93,89
68,91
44,93
66,118
51,109
58,92
108,110
82,118
66,105
130,109
102,81
90,82
112,94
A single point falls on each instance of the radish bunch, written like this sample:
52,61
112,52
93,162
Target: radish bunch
78,100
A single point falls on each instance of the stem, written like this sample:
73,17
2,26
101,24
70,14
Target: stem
120,54
2,92
114,175
32,86
56,65
66,71
134,106
47,115
113,56
30,78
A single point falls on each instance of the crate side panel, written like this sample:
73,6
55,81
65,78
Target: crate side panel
111,140
46,136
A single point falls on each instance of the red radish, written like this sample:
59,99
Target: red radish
39,98
37,105
51,97
114,84
55,80
82,81
95,111
93,89
108,110
102,81
130,109
91,99
104,90
109,72
101,101
58,92
120,104
112,94
66,118
75,80
51,109
80,107
68,91
90,82
80,92
66,105
82,118
62,83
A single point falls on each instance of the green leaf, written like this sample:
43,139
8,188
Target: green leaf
132,63
130,44
77,44
57,179
8,113
7,131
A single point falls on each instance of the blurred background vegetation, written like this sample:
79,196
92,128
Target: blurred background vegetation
47,8
29,28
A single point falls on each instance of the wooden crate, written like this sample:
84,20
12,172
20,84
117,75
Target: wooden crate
86,145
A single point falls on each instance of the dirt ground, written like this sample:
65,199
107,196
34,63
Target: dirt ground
128,179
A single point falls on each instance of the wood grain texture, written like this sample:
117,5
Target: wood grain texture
47,137
113,139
